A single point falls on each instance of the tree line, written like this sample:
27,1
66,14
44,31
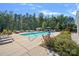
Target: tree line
14,21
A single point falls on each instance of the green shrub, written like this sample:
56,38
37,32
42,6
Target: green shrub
9,32
63,44
6,31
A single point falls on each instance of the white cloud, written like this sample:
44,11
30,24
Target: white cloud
23,4
77,6
30,4
39,6
48,12
33,5
56,13
16,9
66,5
33,8
73,12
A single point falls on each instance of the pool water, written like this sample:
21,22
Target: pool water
34,34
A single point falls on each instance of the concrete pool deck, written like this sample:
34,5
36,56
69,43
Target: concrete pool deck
24,46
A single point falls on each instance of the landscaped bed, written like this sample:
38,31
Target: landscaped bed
63,44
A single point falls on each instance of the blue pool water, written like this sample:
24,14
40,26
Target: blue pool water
34,34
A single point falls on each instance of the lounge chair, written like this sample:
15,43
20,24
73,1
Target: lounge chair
5,39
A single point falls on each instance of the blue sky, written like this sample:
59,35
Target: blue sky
45,8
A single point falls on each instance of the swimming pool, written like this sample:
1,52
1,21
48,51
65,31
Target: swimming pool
34,34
